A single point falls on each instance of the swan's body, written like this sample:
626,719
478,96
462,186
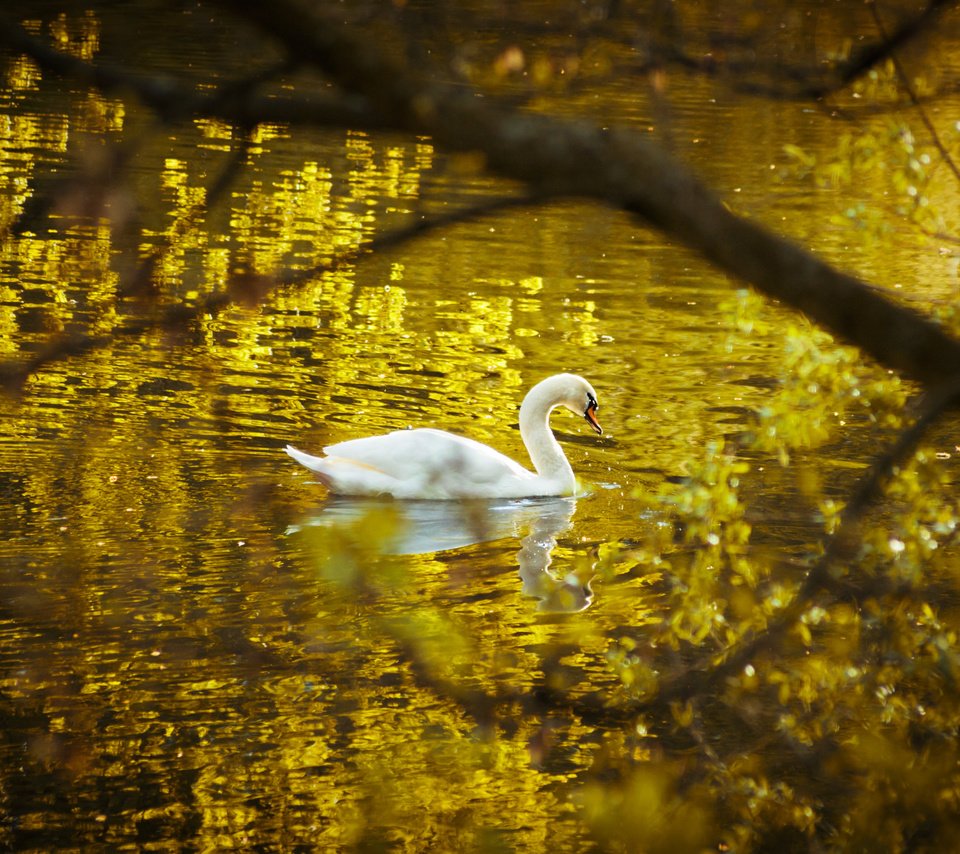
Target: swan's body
434,464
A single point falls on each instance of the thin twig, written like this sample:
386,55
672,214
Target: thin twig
140,281
704,677
172,101
14,374
915,100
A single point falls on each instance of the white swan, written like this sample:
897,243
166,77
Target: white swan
434,464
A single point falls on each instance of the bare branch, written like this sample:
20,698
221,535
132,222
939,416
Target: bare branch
915,100
139,282
249,289
564,157
560,157
235,102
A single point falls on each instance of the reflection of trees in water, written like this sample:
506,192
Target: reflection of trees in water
838,683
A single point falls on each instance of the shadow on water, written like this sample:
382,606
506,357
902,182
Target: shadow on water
428,527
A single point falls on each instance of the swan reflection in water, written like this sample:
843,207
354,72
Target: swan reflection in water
436,526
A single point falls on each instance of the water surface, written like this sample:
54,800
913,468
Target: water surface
199,647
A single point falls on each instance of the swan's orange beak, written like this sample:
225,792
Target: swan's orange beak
590,415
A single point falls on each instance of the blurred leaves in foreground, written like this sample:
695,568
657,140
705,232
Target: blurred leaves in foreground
771,701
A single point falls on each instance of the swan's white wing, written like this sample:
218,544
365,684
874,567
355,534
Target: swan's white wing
426,454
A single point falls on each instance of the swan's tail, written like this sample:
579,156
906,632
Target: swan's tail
317,465
345,476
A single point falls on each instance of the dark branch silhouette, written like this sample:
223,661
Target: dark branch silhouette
174,100
915,100
555,157
705,677
787,81
620,168
243,289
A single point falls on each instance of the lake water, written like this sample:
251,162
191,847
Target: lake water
198,648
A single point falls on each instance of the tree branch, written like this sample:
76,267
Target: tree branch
243,289
703,678
796,82
915,100
563,157
235,102
559,157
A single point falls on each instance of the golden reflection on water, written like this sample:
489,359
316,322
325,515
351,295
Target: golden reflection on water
176,664
184,666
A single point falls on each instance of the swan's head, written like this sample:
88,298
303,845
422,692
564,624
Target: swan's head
577,395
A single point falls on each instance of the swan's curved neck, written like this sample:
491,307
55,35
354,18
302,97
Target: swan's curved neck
545,453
